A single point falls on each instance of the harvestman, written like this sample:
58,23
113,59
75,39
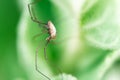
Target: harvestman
51,31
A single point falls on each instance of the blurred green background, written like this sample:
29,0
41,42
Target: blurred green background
9,17
94,47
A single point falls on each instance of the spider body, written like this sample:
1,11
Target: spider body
51,31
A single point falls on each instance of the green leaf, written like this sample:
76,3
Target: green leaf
100,24
64,77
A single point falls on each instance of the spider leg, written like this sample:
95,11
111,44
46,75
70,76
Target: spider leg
46,58
34,18
36,64
37,35
32,13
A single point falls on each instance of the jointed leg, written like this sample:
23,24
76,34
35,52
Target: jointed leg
36,65
32,13
46,58
37,35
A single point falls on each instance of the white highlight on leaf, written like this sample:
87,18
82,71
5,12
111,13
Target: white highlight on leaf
73,7
107,63
76,6
70,11
65,77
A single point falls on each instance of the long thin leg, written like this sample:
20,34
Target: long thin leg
46,58
37,35
32,13
36,64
